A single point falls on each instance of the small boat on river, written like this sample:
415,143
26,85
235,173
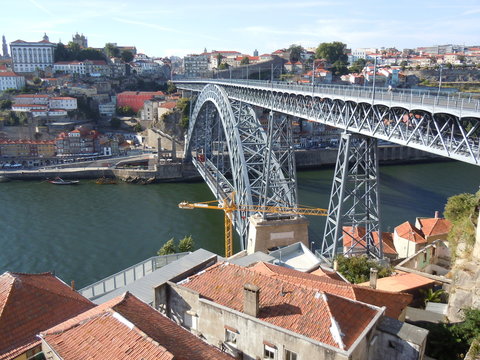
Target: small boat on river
60,181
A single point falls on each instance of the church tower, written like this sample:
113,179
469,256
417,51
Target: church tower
4,47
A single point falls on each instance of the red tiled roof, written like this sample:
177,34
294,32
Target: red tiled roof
126,325
409,232
356,236
30,303
31,96
401,282
394,302
8,74
435,226
303,310
168,105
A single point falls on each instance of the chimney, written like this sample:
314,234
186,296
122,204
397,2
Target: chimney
73,285
335,265
251,295
373,278
436,214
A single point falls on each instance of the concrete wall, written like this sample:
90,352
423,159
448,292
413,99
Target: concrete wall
387,154
267,234
252,333
404,247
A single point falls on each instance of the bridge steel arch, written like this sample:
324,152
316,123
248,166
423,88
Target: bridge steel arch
232,152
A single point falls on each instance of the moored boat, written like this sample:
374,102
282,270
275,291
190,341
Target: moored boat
60,181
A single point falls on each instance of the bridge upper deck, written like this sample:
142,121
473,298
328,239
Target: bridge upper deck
411,99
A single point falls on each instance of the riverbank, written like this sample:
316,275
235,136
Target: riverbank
185,172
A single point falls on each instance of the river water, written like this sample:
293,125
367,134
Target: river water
87,232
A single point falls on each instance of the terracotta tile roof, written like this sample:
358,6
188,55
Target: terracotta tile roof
8,74
356,236
169,105
126,326
435,226
30,303
402,281
300,309
409,232
394,302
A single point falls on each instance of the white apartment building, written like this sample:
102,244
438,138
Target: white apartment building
10,80
70,67
195,65
30,56
65,102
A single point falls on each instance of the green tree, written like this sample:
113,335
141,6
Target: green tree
171,89
245,61
127,56
61,53
462,211
186,244
219,60
332,52
223,66
295,52
339,68
357,66
167,248
74,50
403,65
356,269
5,104
137,128
431,295
111,50
37,80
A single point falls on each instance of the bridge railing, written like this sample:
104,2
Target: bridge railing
459,101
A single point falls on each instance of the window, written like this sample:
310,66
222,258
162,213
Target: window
269,352
231,336
290,355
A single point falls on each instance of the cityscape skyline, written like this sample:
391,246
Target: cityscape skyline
165,29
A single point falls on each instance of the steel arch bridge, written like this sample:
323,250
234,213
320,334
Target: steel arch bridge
444,125
232,151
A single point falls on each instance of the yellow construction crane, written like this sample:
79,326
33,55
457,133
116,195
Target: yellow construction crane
229,206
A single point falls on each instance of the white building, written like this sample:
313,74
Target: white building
66,103
70,67
195,65
31,56
10,80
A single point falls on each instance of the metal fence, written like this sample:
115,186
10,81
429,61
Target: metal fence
128,275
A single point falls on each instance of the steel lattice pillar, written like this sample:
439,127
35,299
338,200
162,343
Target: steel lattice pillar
353,222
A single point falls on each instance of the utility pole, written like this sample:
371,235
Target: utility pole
374,75
440,80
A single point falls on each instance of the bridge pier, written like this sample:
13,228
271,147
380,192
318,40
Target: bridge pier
266,234
353,222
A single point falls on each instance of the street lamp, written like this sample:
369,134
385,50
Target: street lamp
440,79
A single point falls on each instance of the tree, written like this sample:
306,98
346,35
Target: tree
37,81
111,50
403,65
61,53
74,50
171,89
357,66
167,248
295,52
5,104
356,269
245,61
332,52
219,60
186,244
127,56
339,68
223,66
137,128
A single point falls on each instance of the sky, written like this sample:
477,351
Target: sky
181,27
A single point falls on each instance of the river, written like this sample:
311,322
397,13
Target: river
87,232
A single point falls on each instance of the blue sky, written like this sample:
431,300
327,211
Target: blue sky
164,28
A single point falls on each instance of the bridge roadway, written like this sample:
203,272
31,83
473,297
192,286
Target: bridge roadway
445,125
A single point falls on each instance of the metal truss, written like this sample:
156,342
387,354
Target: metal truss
229,147
437,126
353,220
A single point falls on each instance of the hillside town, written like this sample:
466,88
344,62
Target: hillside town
62,104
